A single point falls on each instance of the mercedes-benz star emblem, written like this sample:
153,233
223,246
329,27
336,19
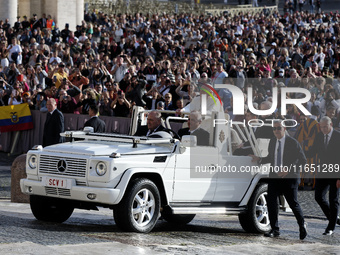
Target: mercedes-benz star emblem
62,165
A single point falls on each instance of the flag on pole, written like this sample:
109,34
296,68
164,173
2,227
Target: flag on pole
15,118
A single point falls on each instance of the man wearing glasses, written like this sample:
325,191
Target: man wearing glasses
285,157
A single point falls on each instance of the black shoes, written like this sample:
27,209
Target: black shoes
328,232
272,233
303,231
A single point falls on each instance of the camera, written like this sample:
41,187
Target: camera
65,97
119,93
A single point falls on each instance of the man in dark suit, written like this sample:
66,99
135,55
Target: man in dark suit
54,124
285,156
154,124
97,124
327,146
194,122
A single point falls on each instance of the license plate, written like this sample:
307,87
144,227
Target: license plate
56,182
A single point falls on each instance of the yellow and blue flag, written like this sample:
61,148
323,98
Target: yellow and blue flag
15,118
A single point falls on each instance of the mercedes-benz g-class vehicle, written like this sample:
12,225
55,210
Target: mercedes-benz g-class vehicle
144,178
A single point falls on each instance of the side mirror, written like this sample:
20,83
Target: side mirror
189,141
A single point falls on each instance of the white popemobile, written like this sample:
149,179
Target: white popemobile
143,178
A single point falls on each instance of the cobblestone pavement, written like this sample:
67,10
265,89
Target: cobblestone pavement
95,232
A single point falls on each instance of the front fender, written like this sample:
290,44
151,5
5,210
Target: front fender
260,177
130,174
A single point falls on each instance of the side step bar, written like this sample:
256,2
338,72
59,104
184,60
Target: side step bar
206,210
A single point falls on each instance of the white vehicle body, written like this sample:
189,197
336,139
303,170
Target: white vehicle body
111,170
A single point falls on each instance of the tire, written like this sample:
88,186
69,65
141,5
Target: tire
178,219
256,219
139,209
50,209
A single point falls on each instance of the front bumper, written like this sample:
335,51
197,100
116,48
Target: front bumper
78,193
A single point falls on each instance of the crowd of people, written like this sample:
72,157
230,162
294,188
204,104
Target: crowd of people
157,61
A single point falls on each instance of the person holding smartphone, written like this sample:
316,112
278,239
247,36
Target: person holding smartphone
121,106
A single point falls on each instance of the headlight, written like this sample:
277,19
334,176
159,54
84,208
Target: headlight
101,168
32,161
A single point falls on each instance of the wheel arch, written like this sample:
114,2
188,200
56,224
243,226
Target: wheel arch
258,180
148,173
157,180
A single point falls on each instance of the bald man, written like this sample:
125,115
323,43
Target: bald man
154,124
54,124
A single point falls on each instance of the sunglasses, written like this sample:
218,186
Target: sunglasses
277,128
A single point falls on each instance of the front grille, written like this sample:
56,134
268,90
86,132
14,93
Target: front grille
75,166
57,191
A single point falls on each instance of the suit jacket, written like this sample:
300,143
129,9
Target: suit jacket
54,125
143,130
201,134
327,157
292,156
97,124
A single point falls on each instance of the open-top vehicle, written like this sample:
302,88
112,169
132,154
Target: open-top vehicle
143,178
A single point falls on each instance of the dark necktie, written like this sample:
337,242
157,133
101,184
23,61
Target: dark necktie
278,157
326,141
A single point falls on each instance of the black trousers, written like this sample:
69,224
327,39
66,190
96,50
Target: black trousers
330,209
288,188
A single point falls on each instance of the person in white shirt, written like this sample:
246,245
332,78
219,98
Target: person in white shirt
15,98
219,75
120,68
15,52
55,59
118,33
319,58
83,37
